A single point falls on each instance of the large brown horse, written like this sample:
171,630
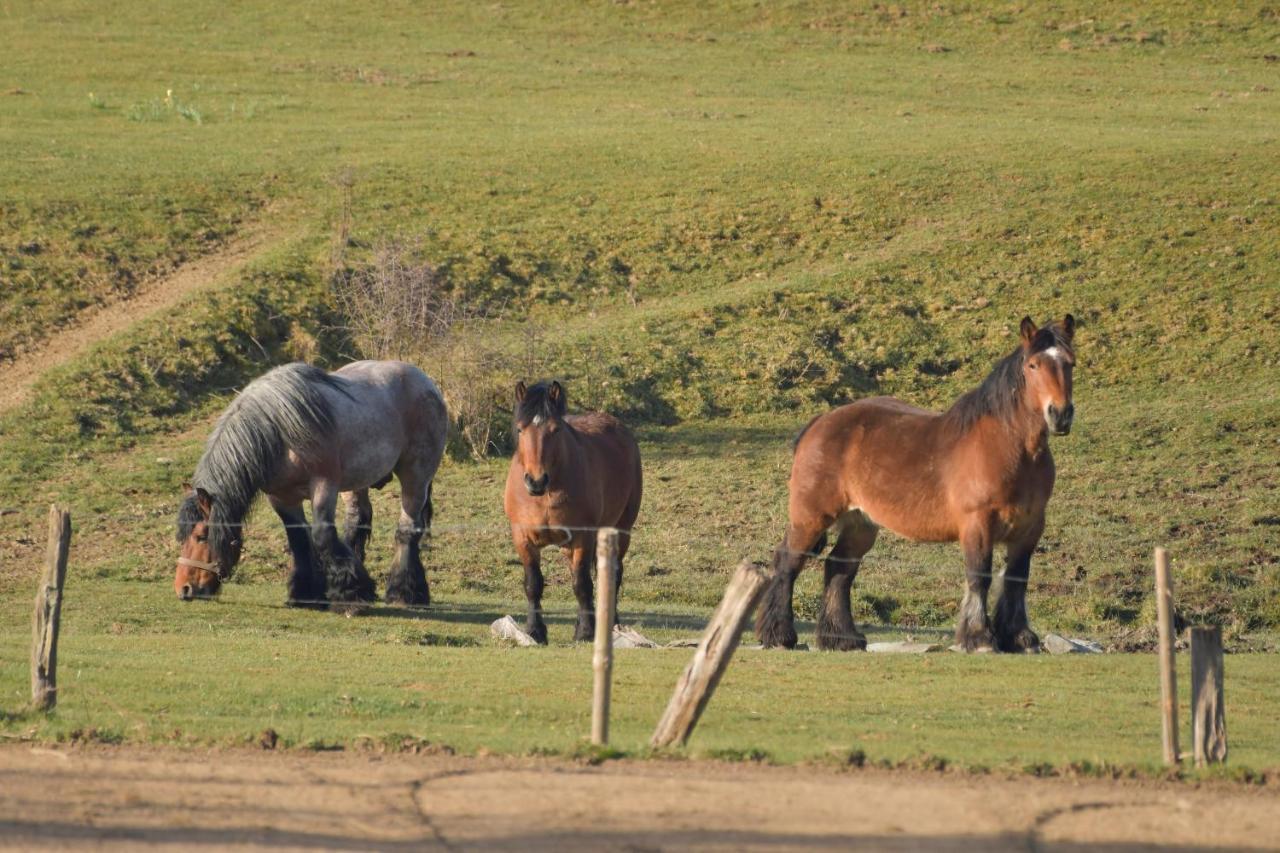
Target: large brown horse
570,475
980,473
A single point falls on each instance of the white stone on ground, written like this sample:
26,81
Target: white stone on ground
630,638
507,629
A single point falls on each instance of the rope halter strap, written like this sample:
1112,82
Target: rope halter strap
202,564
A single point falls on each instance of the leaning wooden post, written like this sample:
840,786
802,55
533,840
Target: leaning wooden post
602,660
1168,678
694,689
48,612
1208,717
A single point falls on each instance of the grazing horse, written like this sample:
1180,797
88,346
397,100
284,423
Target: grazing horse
570,475
298,433
980,473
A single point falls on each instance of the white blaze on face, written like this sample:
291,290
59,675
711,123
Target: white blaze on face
537,419
1053,353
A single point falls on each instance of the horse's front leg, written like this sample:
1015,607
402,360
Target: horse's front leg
531,558
582,553
306,584
1012,630
358,524
345,579
973,632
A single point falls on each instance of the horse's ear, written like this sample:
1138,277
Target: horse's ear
1028,331
521,390
556,395
1069,327
204,500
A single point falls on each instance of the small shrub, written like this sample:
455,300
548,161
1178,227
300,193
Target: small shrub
399,306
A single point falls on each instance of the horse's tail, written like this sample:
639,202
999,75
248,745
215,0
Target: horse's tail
796,441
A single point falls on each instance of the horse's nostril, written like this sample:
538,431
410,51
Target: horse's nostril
186,593
1069,412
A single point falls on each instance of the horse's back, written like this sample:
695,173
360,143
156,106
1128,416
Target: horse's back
612,442
615,458
391,412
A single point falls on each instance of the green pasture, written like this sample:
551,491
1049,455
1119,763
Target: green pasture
715,220
137,665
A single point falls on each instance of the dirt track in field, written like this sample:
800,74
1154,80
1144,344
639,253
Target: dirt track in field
155,798
152,297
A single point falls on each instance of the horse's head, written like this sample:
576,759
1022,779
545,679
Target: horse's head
209,553
540,433
1048,360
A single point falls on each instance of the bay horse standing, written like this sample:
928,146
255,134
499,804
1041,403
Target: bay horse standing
298,433
980,473
570,475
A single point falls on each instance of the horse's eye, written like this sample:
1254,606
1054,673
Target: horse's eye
202,537
1035,366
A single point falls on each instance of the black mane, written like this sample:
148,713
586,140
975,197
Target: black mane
537,402
999,393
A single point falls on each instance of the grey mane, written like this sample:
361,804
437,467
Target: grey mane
284,409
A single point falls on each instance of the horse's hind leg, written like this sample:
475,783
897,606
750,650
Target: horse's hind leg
1012,631
836,630
776,622
306,584
358,524
407,583
345,579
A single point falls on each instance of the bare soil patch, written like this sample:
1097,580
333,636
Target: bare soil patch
157,798
98,324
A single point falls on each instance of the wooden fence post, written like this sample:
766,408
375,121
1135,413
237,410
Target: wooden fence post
602,659
1208,716
712,656
48,612
1168,677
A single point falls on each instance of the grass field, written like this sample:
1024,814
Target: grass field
136,668
715,221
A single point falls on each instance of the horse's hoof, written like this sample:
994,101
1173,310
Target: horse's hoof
777,637
1026,642
408,600
979,641
538,632
842,642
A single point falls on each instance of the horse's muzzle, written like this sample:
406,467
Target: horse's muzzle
187,592
537,487
1059,420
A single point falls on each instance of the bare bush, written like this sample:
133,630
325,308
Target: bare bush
398,306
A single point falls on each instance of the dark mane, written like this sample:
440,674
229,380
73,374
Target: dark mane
188,517
537,402
999,393
284,409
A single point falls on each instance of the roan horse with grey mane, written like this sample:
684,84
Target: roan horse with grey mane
570,476
980,473
298,433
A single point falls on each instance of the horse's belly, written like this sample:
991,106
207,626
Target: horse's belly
918,523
